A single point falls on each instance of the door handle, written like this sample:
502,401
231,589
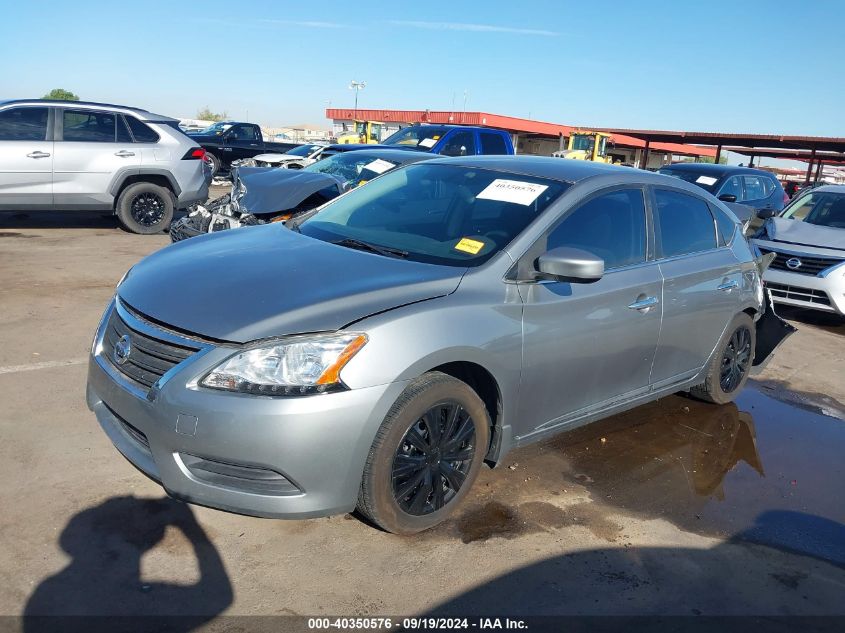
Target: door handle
122,153
38,155
644,304
728,285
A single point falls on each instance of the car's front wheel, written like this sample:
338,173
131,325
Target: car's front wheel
145,208
425,456
729,368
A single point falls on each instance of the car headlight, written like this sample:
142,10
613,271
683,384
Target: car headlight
299,365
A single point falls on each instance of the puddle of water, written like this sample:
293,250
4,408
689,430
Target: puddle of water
760,468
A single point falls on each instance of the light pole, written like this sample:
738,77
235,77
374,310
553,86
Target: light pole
357,86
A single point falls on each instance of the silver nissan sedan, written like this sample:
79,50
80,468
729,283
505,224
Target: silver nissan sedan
376,352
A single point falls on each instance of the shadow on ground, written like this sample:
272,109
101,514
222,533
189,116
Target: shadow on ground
104,577
738,577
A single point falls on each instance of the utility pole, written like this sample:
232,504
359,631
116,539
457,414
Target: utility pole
357,86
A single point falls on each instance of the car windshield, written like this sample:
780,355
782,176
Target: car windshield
353,168
705,181
216,128
439,214
421,137
822,208
304,150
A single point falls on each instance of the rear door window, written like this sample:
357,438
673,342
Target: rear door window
492,143
460,144
611,226
682,224
23,124
755,188
89,126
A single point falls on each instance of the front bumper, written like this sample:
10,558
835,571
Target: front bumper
825,293
292,457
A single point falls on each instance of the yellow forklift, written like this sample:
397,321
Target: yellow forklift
586,145
368,132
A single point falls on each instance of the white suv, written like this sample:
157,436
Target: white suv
73,155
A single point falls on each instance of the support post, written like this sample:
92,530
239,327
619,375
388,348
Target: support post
810,167
644,160
718,154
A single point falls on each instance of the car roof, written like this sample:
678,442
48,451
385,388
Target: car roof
716,170
563,169
830,188
94,105
399,156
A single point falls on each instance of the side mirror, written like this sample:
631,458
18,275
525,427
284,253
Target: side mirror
765,214
727,197
570,264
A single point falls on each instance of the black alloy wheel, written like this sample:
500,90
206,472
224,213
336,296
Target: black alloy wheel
148,209
433,459
735,360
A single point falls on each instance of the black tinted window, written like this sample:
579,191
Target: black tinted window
732,187
243,133
683,224
611,226
88,126
724,224
493,143
141,131
23,124
460,144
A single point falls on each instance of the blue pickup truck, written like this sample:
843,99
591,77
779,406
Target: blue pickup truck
447,140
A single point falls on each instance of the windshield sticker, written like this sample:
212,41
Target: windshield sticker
379,166
514,191
427,142
468,245
706,180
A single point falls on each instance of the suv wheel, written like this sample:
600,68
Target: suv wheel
729,367
426,455
145,208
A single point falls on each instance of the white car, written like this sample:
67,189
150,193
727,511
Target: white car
808,240
297,158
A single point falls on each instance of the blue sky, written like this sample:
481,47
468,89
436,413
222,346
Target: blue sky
749,66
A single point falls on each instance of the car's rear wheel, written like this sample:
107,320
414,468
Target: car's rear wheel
145,208
426,455
729,368
213,163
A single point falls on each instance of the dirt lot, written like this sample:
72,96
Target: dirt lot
673,508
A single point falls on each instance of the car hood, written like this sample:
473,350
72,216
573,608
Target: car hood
803,234
265,281
271,190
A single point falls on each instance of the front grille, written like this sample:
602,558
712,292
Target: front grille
149,359
810,265
797,293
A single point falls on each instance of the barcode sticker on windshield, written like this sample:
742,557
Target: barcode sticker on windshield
514,191
706,180
379,166
427,142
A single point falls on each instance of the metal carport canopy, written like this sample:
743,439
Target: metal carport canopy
774,141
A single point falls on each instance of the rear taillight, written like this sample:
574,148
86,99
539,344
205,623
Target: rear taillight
195,153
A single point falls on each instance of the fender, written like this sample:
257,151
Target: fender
123,173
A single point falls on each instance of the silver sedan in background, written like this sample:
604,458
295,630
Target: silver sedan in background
377,351
808,240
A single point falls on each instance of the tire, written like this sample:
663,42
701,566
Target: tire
213,163
145,208
722,385
397,448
